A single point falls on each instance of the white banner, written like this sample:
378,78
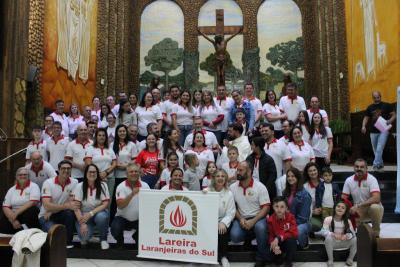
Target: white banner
178,226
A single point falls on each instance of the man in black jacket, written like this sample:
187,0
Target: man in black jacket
262,165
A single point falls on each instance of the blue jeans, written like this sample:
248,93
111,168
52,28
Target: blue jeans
64,217
151,180
303,229
100,220
378,141
185,130
260,230
119,225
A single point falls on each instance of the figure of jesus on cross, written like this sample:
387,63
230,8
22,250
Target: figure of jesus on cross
219,42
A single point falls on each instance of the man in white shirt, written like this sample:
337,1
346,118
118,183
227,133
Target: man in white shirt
57,145
277,150
58,203
166,107
224,102
58,115
211,139
292,104
365,192
287,127
127,196
110,102
39,170
121,96
254,101
314,108
253,204
76,152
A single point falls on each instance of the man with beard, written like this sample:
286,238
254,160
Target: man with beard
365,192
253,204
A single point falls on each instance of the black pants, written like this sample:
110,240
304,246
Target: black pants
288,248
113,206
321,163
64,217
119,225
29,217
223,245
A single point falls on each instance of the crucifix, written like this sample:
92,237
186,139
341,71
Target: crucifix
219,42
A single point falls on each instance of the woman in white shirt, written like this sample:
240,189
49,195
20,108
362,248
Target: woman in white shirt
93,197
211,114
111,126
301,152
204,154
273,114
74,119
147,112
226,213
102,155
304,123
171,144
196,101
321,141
182,116
20,205
104,111
125,114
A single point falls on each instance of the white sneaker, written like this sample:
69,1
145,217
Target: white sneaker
104,245
225,262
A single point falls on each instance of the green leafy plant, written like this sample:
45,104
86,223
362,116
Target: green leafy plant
339,126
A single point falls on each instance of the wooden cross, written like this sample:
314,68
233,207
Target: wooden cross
220,28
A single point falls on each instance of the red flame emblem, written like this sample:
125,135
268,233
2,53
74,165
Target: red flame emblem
177,218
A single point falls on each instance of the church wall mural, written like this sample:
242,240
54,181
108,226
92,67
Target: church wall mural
69,67
281,45
373,39
161,44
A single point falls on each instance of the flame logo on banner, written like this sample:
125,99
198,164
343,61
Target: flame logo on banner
177,218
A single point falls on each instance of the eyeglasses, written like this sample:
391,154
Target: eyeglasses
65,168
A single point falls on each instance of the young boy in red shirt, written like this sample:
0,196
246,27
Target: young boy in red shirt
283,233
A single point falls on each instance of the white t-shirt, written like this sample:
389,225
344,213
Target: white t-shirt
58,194
204,156
211,140
33,147
284,139
73,123
280,153
292,107
125,155
183,115
209,114
225,105
311,189
16,196
131,211
167,109
165,176
360,191
301,154
76,152
327,199
146,116
320,144
273,110
44,172
230,168
57,149
111,133
101,157
90,203
250,200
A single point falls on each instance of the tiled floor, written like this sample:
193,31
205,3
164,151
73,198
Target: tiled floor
108,263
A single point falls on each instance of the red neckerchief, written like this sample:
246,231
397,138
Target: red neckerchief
74,117
22,188
67,182
233,165
171,188
300,144
57,139
91,189
148,107
199,150
272,103
221,98
137,183
38,169
46,131
292,98
37,144
121,146
312,185
256,160
202,131
101,149
250,98
314,110
245,188
59,113
362,179
83,144
272,141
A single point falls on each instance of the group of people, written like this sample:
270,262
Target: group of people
270,164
